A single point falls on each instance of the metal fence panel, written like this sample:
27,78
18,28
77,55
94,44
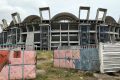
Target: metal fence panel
109,57
89,59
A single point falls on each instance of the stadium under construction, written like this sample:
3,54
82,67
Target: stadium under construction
63,29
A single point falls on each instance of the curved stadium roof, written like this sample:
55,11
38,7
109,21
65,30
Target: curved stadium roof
31,18
110,20
64,16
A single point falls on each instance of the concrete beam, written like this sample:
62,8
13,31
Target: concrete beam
44,9
104,14
5,25
85,8
18,20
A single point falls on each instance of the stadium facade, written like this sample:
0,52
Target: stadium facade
63,29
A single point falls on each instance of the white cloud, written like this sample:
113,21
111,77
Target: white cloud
29,7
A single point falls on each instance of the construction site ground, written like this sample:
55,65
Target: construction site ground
46,71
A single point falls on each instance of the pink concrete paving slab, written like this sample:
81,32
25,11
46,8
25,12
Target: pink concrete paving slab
16,72
68,54
56,54
17,58
56,62
76,54
69,64
61,53
62,63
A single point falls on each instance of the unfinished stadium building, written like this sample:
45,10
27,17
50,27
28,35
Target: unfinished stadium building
63,29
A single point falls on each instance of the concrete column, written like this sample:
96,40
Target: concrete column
44,9
50,36
40,37
79,33
60,35
119,33
96,34
97,14
85,8
68,35
88,32
20,36
14,19
5,25
33,28
99,33
3,37
114,34
16,35
110,34
104,15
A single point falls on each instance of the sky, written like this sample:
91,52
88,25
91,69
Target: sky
31,7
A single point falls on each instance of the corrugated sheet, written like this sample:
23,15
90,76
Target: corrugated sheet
109,57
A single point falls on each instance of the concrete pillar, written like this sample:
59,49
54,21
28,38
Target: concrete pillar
20,36
104,15
50,36
40,37
114,34
85,8
3,37
16,34
99,33
44,9
60,35
79,33
5,25
68,35
14,19
96,38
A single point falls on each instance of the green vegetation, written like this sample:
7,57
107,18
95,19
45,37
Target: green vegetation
43,55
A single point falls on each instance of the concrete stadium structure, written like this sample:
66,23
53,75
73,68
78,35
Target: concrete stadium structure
63,29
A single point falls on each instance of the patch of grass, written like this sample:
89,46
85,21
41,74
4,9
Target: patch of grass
41,77
46,65
44,55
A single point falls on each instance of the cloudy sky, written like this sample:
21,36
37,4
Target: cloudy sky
29,7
